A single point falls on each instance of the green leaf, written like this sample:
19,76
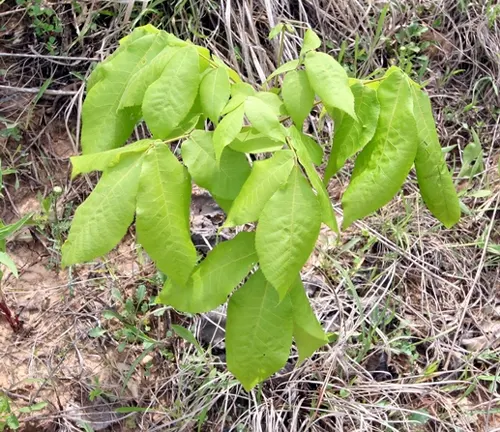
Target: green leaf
287,231
351,136
307,331
311,42
258,331
264,180
170,98
162,221
6,260
104,217
381,168
214,93
273,101
227,130
288,66
275,31
101,70
32,408
264,119
252,141
8,230
187,335
104,127
4,404
298,141
214,279
298,96
224,180
143,78
104,160
232,73
12,422
194,119
472,160
434,179
313,149
330,82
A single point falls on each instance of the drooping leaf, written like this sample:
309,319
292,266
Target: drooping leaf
104,127
273,101
310,43
143,78
351,136
434,179
6,260
307,331
330,82
258,331
264,119
214,93
224,180
104,217
239,93
298,141
169,99
227,130
287,231
288,66
382,166
104,160
162,221
250,140
298,96
214,279
276,30
194,119
314,150
264,180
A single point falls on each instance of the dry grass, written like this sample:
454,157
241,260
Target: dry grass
414,309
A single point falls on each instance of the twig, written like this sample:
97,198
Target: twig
89,59
37,90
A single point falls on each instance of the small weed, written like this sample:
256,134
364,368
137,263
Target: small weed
9,418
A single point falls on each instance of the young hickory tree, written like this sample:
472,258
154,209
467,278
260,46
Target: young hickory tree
178,89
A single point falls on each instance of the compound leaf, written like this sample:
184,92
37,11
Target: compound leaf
287,230
330,82
104,160
215,89
170,98
298,96
298,141
162,221
351,136
258,331
307,331
434,179
382,166
310,43
104,217
224,180
214,279
252,141
264,180
227,130
264,119
104,127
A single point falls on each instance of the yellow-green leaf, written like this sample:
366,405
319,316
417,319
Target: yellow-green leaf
264,180
434,179
330,82
214,93
214,279
249,140
287,231
258,331
162,221
170,98
381,168
298,96
104,217
264,118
